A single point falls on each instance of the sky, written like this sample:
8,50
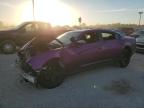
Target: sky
67,12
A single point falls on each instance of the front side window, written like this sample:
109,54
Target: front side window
30,28
44,26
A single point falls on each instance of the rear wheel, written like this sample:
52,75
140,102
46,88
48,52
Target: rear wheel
8,47
52,76
124,58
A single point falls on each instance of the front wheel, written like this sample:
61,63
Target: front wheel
52,76
124,58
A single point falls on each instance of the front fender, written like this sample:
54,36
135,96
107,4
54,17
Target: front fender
38,61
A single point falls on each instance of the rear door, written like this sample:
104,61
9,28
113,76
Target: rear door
111,44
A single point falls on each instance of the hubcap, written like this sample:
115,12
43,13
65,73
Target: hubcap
7,47
51,76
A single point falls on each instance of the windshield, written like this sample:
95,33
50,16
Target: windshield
65,38
140,36
20,25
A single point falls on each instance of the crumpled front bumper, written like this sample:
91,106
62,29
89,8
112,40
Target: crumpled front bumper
25,71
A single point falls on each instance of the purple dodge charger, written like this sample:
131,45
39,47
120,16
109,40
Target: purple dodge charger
47,62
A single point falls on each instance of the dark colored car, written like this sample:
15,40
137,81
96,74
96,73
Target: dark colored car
20,35
47,62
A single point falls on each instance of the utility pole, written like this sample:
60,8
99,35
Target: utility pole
80,21
33,3
140,14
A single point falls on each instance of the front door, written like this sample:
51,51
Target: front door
85,53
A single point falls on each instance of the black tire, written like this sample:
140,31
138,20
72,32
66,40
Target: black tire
124,58
8,47
52,76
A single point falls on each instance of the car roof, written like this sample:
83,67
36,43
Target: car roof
107,30
85,30
36,22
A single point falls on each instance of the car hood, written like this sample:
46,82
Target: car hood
36,41
7,31
36,58
35,47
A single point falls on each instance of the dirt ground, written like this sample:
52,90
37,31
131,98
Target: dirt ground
101,87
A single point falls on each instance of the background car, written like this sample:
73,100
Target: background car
139,40
46,62
20,35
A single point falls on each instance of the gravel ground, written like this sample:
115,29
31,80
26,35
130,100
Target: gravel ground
82,90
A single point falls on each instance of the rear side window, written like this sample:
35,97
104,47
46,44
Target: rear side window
107,36
30,28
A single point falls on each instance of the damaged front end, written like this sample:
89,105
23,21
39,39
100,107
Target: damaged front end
25,54
25,69
33,56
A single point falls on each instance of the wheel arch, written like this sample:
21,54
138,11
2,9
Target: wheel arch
7,39
128,48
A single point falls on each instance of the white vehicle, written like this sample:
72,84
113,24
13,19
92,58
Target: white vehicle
140,40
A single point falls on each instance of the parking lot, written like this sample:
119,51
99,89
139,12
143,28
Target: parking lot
89,89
